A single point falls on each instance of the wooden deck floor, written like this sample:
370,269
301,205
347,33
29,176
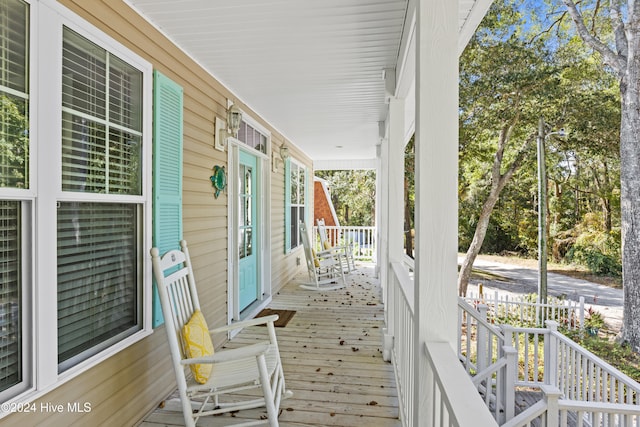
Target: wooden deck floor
332,359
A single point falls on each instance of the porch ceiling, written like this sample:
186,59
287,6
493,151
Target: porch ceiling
312,69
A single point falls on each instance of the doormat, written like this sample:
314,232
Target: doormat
285,316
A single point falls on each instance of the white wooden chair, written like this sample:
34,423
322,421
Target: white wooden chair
253,366
324,267
346,250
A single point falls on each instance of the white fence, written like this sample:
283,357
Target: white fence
362,240
522,309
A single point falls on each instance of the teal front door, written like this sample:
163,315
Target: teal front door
248,229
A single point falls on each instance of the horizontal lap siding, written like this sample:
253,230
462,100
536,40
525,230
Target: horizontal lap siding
285,266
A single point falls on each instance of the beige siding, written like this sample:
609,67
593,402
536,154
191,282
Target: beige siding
130,384
284,265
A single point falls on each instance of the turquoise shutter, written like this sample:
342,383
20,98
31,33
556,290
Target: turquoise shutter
167,172
287,206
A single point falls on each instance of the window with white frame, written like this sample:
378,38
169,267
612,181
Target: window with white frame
252,137
98,240
91,194
296,194
14,198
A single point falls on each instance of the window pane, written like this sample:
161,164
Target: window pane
84,76
14,94
125,152
252,137
125,95
14,47
101,143
98,276
83,154
294,184
14,142
294,226
10,295
301,176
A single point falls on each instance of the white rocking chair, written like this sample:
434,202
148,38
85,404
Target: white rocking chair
346,249
324,267
235,370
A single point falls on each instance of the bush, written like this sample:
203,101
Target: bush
596,261
599,251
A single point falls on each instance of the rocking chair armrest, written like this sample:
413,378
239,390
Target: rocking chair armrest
245,323
252,350
327,253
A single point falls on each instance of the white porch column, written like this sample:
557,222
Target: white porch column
436,187
396,179
392,218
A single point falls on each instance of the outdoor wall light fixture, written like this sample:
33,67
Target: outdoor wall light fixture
229,128
281,156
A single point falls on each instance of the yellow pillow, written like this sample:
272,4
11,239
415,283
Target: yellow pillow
316,262
198,344
327,245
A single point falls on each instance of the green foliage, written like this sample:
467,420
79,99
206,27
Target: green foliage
353,193
524,62
14,143
594,320
598,250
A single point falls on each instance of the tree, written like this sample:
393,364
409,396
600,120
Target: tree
353,194
505,84
622,54
409,197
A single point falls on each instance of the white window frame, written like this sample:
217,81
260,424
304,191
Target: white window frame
46,25
289,205
26,197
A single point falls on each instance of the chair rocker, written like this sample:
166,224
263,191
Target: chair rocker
346,250
324,267
255,366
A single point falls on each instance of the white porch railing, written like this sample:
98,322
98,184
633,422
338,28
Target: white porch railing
362,239
578,387
400,336
455,400
488,359
521,309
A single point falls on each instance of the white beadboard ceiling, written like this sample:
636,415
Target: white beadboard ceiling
312,68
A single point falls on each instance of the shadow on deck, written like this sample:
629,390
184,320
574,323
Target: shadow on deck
332,358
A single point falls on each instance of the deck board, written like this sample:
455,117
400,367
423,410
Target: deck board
332,358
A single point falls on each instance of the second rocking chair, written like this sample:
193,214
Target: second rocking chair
324,267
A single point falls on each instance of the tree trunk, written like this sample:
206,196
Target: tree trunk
630,198
625,60
498,182
408,223
476,243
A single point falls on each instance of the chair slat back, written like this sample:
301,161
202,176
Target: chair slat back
176,288
308,254
322,231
